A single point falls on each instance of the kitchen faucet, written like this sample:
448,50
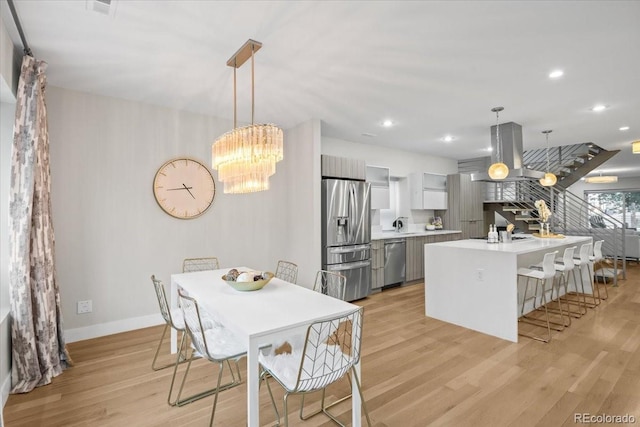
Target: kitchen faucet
399,224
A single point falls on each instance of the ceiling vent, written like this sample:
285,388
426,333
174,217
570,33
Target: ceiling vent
104,7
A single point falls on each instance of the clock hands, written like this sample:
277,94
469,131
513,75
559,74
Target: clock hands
188,189
184,187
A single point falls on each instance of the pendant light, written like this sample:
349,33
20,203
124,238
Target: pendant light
246,157
498,170
601,179
549,179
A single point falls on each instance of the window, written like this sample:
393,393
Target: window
622,205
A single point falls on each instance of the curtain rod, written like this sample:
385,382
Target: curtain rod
27,49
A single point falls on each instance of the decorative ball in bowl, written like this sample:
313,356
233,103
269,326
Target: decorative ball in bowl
247,280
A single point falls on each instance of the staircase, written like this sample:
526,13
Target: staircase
572,216
570,162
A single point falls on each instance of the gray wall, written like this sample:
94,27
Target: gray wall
9,73
7,115
110,233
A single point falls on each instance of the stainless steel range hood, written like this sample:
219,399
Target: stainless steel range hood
511,155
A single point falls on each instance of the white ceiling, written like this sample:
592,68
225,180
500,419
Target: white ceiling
434,68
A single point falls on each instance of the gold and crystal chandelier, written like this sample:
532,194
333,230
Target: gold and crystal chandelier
246,157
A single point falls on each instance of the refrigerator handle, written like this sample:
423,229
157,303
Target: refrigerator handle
352,209
349,266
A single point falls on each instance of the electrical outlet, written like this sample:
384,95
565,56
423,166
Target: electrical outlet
480,275
85,307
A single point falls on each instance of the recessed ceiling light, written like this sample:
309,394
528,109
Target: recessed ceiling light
490,149
387,123
623,128
556,74
598,108
447,138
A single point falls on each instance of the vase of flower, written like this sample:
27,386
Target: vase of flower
543,215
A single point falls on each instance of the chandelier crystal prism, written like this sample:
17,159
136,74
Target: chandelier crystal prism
246,157
498,170
549,179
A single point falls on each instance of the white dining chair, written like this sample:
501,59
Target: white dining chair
330,350
212,342
287,271
172,318
200,264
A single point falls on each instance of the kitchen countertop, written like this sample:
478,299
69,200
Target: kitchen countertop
517,246
383,235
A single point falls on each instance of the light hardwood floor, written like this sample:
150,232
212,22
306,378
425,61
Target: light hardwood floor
416,372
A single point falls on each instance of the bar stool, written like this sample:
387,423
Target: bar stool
568,266
582,262
541,278
596,260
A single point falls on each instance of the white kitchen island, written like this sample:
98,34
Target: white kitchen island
474,284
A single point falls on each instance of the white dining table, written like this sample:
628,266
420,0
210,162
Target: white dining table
261,318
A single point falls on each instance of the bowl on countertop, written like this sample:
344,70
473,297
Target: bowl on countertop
430,227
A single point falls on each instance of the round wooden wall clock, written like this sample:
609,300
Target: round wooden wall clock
184,188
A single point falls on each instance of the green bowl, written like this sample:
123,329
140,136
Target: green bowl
248,286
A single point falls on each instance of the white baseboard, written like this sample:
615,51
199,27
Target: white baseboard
109,328
6,388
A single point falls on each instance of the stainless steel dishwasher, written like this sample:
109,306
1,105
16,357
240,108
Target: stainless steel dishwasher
394,261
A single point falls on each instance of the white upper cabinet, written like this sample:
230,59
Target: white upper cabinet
427,191
379,178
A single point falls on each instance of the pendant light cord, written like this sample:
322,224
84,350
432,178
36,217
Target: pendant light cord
498,143
252,87
235,104
547,135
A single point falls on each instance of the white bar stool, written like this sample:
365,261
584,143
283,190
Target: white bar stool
567,266
596,259
581,263
541,278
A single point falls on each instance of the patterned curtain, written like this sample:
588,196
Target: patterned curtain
38,346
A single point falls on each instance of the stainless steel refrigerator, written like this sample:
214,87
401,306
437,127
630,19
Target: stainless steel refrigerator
346,233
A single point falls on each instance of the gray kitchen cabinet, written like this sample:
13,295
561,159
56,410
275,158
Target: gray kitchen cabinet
379,177
465,211
377,264
343,167
415,252
415,258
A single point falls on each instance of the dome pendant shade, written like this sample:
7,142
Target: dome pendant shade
549,180
498,171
